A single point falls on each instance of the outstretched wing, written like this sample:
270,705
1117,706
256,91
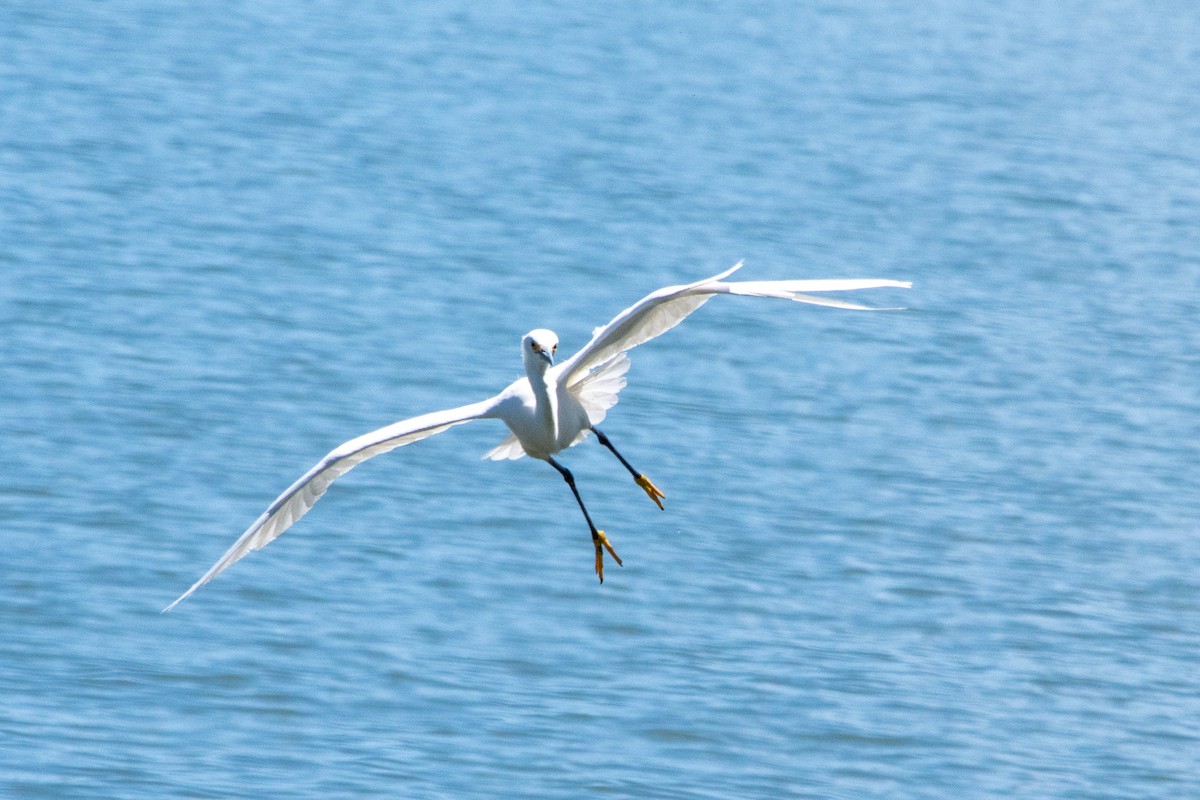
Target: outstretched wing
658,312
304,493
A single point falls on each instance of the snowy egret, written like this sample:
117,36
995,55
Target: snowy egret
555,406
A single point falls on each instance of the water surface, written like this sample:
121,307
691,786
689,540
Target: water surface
946,552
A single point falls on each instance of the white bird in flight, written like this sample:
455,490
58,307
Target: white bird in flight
553,407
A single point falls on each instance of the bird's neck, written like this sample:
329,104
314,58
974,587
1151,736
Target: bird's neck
543,393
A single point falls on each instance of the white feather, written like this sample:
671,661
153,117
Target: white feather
548,410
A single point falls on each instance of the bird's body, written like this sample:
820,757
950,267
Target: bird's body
547,414
549,409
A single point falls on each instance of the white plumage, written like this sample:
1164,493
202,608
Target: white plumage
548,410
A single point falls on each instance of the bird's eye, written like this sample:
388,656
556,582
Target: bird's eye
537,348
554,348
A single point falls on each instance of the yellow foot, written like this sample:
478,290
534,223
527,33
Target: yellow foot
602,544
650,489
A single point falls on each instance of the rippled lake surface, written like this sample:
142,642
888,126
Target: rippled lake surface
945,552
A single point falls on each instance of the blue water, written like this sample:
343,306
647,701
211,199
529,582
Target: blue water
947,552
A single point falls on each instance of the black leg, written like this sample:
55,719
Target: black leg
599,540
642,481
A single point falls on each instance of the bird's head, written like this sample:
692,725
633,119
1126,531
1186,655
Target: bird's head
538,346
